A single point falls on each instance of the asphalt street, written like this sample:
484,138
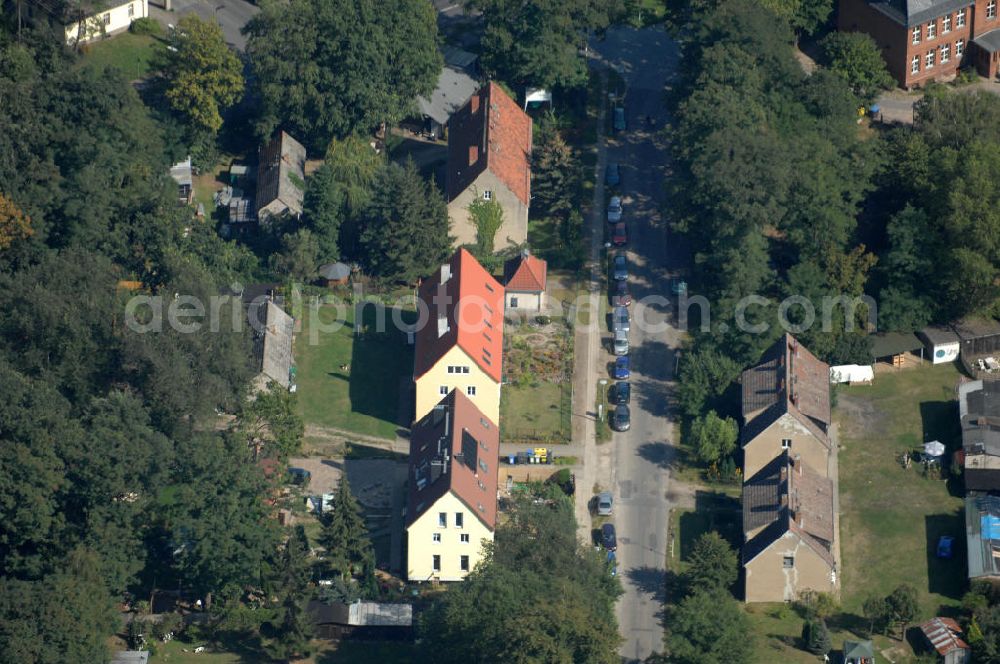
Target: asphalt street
638,467
231,15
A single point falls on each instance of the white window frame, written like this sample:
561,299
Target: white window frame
930,58
464,538
436,538
442,519
915,65
786,443
513,302
436,562
788,562
932,30
464,563
443,390
471,390
991,10
959,48
946,24
960,18
106,18
916,35
487,195
459,520
945,53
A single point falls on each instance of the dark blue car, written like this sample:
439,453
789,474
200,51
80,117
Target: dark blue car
621,370
945,547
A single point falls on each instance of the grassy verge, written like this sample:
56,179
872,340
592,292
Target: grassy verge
349,381
132,54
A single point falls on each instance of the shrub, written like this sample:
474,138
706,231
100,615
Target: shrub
145,26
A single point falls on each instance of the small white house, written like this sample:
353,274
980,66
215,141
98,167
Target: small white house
524,280
942,343
85,23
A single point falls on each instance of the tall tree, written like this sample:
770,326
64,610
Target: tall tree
293,630
554,171
299,256
406,226
712,565
14,224
709,628
326,69
270,424
203,75
348,547
856,57
714,437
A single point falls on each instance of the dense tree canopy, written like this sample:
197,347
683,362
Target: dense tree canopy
538,597
325,69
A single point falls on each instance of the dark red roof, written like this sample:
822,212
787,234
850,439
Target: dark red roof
454,448
525,274
464,307
489,132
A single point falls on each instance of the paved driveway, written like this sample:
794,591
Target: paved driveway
232,15
637,467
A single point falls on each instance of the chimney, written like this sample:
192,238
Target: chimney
474,103
443,328
445,273
473,154
798,463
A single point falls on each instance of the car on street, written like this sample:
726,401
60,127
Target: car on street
678,287
622,297
619,236
619,343
620,267
621,392
605,503
621,419
621,368
612,175
615,210
619,119
620,319
609,539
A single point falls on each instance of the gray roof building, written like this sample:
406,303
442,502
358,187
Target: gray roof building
281,177
272,343
456,83
915,12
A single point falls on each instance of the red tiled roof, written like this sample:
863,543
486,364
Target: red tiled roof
489,132
525,274
464,308
472,445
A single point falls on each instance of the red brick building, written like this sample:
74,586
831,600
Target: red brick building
927,40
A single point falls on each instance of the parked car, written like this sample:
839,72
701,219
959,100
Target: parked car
621,368
619,236
621,420
945,547
609,539
620,319
620,267
612,175
619,119
605,503
678,287
615,210
622,297
621,392
612,563
299,476
619,343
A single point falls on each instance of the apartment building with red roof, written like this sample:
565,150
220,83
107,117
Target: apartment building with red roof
452,503
489,153
459,337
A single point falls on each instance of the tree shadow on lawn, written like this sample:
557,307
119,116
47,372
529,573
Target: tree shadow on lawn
945,576
380,357
939,420
713,511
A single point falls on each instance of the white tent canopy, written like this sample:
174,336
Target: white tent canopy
852,373
935,448
536,96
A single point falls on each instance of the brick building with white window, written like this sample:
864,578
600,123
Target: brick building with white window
928,40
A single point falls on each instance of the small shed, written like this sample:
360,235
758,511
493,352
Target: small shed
334,274
370,619
978,338
131,657
891,347
943,635
181,172
859,652
941,342
524,279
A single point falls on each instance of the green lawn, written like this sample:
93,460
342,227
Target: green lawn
539,411
364,398
132,54
892,517
173,652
